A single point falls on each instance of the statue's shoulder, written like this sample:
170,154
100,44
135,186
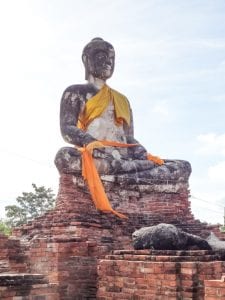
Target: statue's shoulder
79,89
120,95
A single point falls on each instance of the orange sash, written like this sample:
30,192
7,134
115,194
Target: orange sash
90,174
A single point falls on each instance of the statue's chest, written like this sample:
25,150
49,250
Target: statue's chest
109,113
104,126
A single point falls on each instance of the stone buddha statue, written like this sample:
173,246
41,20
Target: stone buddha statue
93,113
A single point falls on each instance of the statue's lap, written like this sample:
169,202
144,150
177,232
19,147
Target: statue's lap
132,171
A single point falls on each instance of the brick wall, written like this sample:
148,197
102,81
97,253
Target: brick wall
156,274
26,287
12,255
215,289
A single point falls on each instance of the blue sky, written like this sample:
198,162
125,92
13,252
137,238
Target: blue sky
170,63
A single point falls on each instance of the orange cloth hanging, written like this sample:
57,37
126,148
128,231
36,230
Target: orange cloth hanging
155,159
90,174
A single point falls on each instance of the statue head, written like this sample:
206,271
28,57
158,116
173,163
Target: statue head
98,57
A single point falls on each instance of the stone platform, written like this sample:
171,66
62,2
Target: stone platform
67,244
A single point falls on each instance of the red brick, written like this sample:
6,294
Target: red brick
60,242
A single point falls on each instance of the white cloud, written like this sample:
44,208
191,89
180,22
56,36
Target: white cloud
211,144
209,43
217,172
208,186
219,98
208,198
161,109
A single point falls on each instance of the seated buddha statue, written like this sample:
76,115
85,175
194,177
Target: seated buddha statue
98,118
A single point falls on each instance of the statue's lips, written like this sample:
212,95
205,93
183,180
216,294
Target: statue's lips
107,68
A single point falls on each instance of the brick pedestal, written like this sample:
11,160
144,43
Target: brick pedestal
65,244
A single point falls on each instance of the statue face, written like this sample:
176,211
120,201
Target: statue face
100,63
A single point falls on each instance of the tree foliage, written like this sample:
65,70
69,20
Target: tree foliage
30,205
4,228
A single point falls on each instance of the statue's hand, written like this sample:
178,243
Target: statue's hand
138,152
94,145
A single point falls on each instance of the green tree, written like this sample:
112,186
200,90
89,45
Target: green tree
30,205
4,228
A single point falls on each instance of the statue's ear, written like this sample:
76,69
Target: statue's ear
84,58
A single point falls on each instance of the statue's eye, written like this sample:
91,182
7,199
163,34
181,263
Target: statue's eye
101,56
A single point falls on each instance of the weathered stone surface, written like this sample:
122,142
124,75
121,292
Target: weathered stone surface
167,237
215,243
130,163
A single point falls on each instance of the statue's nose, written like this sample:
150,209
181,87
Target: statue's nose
109,62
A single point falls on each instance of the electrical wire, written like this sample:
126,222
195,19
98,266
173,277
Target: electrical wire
203,200
26,158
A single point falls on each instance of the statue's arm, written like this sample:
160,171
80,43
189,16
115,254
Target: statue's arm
137,152
71,105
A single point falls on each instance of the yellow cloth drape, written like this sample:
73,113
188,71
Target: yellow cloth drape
96,105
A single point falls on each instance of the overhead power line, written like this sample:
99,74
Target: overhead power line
206,201
40,163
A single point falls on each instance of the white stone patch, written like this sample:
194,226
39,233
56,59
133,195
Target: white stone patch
66,95
88,96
